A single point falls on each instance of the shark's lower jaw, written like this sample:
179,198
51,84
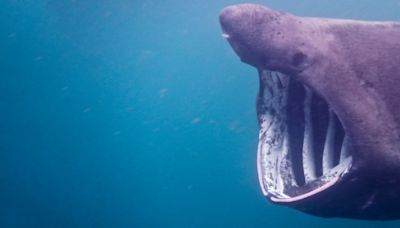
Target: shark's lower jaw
303,149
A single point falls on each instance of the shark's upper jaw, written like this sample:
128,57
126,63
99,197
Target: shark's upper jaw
303,148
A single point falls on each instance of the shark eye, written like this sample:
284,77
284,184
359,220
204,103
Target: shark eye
298,59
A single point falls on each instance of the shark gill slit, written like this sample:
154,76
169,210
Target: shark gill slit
322,141
322,138
315,138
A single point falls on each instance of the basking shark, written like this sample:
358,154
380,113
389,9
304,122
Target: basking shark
328,108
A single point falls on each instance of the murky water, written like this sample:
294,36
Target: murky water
137,114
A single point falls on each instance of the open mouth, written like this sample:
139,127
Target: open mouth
303,148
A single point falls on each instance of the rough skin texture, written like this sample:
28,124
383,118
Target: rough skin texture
355,67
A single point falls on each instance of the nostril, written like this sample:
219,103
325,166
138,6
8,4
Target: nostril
225,35
298,59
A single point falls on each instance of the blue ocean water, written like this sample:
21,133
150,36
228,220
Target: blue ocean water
126,113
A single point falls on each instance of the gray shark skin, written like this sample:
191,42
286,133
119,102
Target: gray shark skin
328,109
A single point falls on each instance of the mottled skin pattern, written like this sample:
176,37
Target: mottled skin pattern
355,67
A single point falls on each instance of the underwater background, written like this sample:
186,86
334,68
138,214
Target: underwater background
126,113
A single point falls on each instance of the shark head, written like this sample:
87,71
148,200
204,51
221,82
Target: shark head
328,105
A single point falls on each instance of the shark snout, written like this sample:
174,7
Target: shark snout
251,30
227,17
236,18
